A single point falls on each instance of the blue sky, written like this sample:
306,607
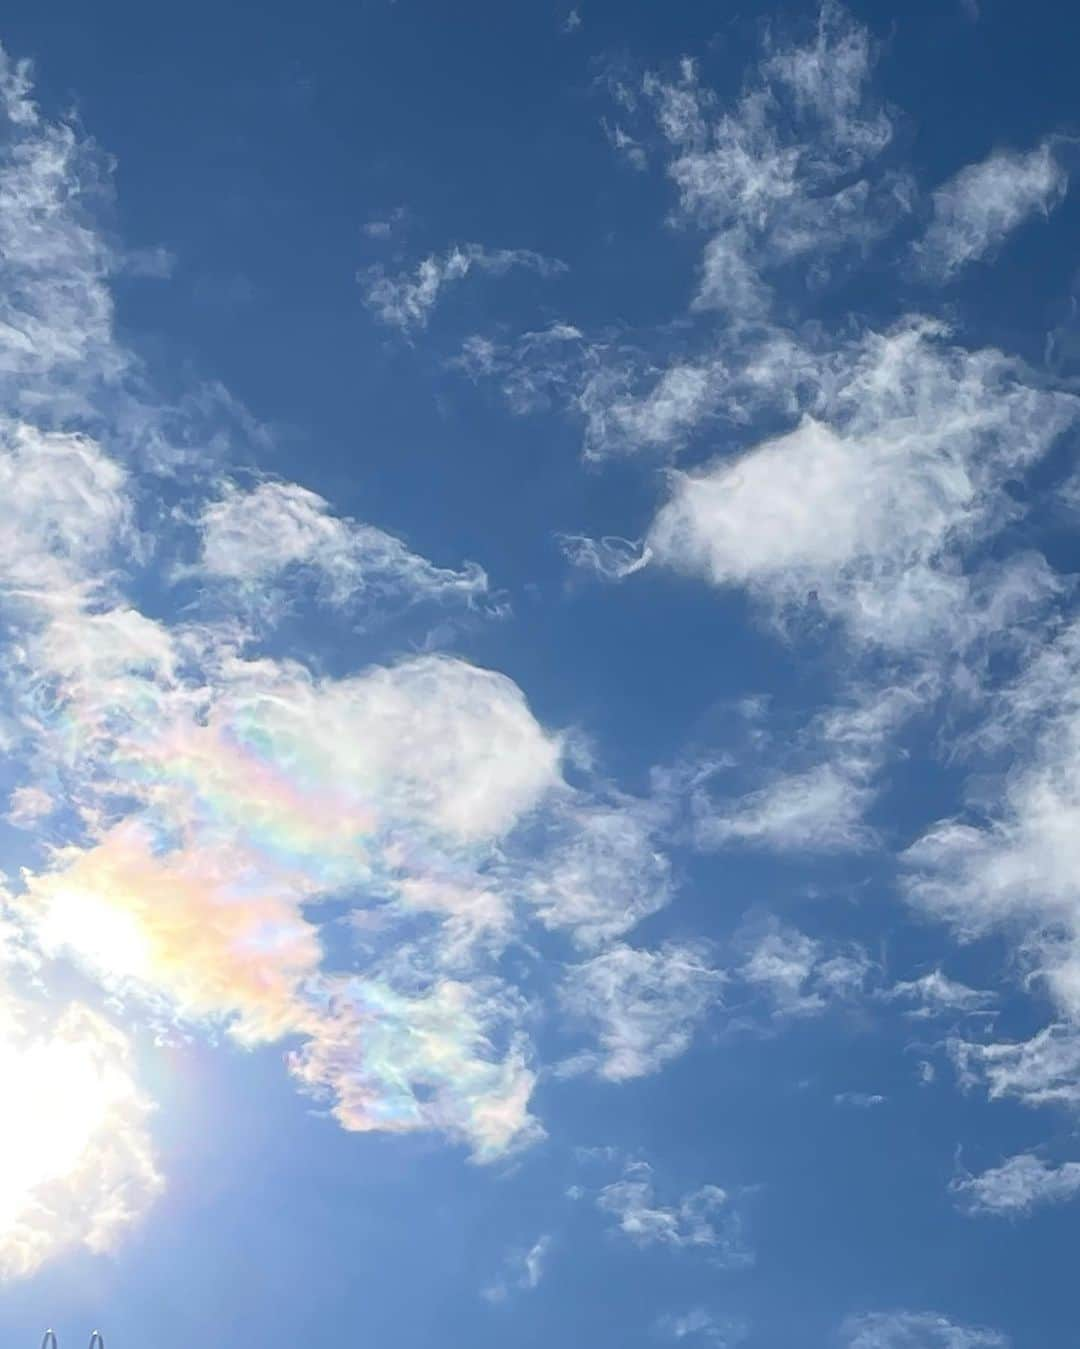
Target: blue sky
540,746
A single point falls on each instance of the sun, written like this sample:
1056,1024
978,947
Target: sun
56,1098
73,1119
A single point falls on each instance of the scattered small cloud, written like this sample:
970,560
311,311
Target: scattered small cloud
405,300
722,1332
611,558
701,1220
935,994
522,1271
916,1330
1016,1187
798,975
385,227
642,1006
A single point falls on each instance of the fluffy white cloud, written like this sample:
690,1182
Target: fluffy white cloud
1017,1186
251,538
978,208
916,1330
863,510
1019,869
702,1219
643,1006
406,300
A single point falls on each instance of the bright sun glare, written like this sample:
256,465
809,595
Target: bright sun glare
57,1096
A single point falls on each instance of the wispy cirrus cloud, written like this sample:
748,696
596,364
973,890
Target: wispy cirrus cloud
253,539
702,1220
405,300
935,994
916,1330
800,975
977,209
1016,1187
523,1271
725,1332
782,173
643,1006
1043,1070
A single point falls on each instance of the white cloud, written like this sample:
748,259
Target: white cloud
626,145
67,510
701,1220
535,371
984,203
1019,869
859,1100
1017,1186
699,1324
817,811
1044,1070
864,510
28,805
935,994
781,173
819,808
382,227
798,976
916,1330
406,300
523,1271
643,1006
56,311
630,406
601,870
250,538
611,558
